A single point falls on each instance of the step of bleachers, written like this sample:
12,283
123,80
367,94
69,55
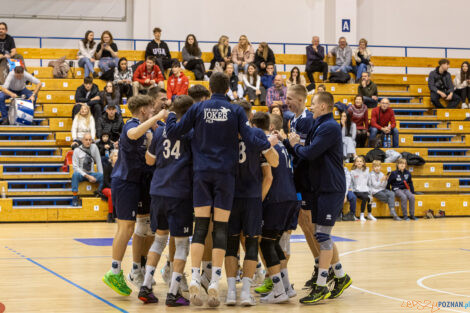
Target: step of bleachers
26,171
25,151
41,202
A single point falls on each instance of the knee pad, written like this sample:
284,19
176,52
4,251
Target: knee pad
285,243
270,234
159,244
201,228
322,235
269,252
141,228
279,251
219,235
251,248
181,248
233,243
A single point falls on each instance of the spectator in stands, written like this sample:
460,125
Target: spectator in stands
348,129
276,95
242,55
84,159
107,52
105,145
368,90
148,74
315,62
350,197
15,86
192,57
462,84
362,56
253,88
178,83
7,51
263,56
267,79
383,120
87,93
123,78
321,88
378,184
278,121
343,54
296,78
158,49
222,53
401,184
110,123
83,123
441,87
360,117
86,54
235,91
107,170
109,96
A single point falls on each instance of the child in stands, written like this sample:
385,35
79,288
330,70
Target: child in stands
378,182
401,184
360,185
178,83
351,197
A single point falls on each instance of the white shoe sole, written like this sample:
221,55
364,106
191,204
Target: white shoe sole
136,284
213,300
281,299
247,302
194,297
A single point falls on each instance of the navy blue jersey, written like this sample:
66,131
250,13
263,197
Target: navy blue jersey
249,176
216,124
173,174
130,165
282,188
302,125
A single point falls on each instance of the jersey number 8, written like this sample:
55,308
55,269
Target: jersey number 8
241,152
168,151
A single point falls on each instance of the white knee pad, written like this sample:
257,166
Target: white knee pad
285,242
181,248
141,226
149,230
159,244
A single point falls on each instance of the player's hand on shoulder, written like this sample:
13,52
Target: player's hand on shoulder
273,140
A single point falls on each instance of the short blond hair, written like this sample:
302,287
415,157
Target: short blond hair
276,121
402,160
376,163
299,90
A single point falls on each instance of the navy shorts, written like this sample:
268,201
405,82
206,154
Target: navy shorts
213,189
307,201
246,216
126,198
326,207
278,216
295,218
172,213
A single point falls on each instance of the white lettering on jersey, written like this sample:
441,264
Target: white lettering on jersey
216,115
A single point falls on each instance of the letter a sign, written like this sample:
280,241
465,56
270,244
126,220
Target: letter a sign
346,26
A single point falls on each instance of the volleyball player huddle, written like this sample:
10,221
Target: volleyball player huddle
212,168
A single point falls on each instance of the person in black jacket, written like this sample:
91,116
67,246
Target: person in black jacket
401,184
315,62
108,165
263,56
222,53
110,123
88,93
159,50
105,145
441,86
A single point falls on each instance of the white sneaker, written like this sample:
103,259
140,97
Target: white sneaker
153,279
273,299
371,217
355,218
205,282
290,291
194,297
213,292
247,299
231,299
184,284
166,273
363,219
136,278
259,276
465,106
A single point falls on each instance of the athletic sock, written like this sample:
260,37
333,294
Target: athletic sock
149,271
278,286
322,276
196,274
116,267
246,284
207,268
175,283
285,278
216,275
232,284
338,268
136,267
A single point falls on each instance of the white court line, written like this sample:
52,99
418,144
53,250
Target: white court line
420,283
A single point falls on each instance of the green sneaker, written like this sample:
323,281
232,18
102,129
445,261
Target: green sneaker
117,283
266,287
340,285
317,293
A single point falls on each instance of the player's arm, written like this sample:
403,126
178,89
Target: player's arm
150,157
174,129
272,157
137,132
249,136
323,140
267,180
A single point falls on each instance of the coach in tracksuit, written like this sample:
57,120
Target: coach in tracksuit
324,151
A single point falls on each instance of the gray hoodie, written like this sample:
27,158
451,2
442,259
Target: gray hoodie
375,182
79,157
360,180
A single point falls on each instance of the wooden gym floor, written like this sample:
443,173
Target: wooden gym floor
43,268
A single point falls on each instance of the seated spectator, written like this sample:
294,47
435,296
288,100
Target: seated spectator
253,88
107,170
321,88
158,49
267,79
360,117
7,51
378,184
343,54
277,117
86,54
296,78
462,84
88,93
15,86
107,52
348,129
350,197
110,123
315,60
84,159
123,78
109,97
235,91
276,95
383,120
242,55
401,184
368,90
178,83
83,123
362,56
147,75
441,87
105,145
192,57
222,53
263,56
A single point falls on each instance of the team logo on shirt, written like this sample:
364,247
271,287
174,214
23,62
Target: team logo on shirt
216,115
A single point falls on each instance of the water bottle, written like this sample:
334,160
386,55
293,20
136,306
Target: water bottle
389,143
106,154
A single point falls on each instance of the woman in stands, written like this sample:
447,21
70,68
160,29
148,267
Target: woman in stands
360,116
276,110
123,78
107,52
235,91
110,96
362,56
252,82
83,123
462,84
296,78
86,54
242,55
263,56
192,57
348,129
222,53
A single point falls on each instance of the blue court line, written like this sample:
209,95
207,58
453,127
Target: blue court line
464,249
69,281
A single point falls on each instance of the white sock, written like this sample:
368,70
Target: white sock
362,215
322,276
136,267
196,274
338,268
116,267
216,275
231,283
278,286
175,282
149,271
285,278
246,284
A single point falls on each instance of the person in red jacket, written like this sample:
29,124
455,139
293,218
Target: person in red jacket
147,75
360,117
178,83
383,120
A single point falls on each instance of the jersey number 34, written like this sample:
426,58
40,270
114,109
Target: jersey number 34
169,151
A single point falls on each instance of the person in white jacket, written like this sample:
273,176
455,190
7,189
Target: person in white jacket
252,82
351,197
378,184
462,84
83,123
86,54
360,178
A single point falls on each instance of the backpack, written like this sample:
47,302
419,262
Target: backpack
391,156
339,77
60,68
413,159
375,154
